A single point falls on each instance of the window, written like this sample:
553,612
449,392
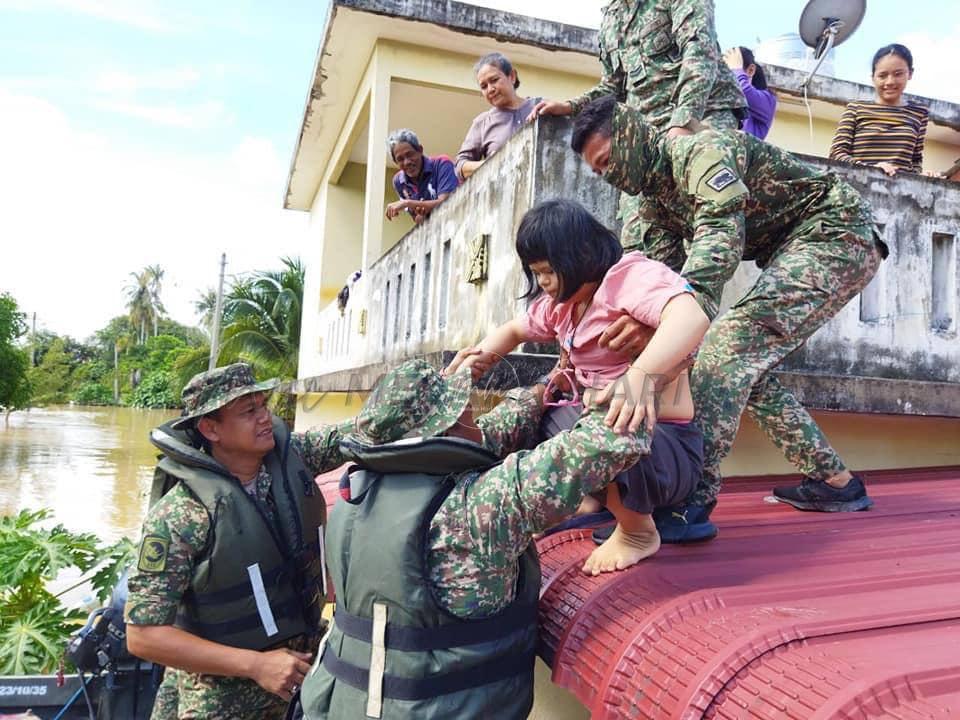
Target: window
870,295
944,282
444,285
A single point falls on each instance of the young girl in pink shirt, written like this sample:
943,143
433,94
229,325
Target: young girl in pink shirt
580,282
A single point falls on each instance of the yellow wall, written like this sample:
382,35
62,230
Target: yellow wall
343,231
791,131
865,442
319,408
552,702
394,229
456,70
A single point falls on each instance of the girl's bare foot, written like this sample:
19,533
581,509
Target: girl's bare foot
621,550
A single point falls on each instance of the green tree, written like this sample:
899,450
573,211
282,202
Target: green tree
206,306
50,380
93,393
15,388
143,300
159,387
262,319
156,391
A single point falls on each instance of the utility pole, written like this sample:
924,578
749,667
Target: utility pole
116,371
33,342
218,311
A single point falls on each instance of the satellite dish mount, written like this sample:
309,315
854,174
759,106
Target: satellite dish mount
825,24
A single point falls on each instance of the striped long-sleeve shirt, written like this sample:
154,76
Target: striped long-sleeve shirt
870,133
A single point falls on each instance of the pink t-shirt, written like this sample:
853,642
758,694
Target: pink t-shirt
636,285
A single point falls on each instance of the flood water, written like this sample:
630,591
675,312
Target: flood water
91,466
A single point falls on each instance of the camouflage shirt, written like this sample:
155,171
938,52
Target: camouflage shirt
723,197
488,520
662,57
154,597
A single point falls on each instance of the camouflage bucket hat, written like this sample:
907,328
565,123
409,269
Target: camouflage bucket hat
209,391
411,397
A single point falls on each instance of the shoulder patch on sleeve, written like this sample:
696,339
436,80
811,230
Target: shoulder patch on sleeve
721,179
720,184
153,554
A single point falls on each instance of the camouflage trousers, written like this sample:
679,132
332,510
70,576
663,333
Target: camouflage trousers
635,217
192,696
823,265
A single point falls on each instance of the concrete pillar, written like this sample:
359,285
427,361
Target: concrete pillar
376,159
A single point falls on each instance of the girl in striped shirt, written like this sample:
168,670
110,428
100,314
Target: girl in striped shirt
888,133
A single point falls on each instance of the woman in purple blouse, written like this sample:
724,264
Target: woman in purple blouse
761,103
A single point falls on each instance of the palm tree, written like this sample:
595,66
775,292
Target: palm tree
262,318
154,283
138,304
205,306
143,300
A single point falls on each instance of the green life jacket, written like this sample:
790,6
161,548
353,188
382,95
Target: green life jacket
392,651
224,602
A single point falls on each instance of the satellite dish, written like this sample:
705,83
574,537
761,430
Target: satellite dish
825,24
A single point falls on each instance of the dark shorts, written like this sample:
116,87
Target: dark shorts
664,477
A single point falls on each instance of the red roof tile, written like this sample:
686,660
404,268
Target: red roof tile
785,615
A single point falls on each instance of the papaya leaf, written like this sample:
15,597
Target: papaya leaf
34,624
34,641
29,553
115,560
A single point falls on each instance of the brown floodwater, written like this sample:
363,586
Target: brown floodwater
90,466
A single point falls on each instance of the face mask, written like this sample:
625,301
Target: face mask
618,173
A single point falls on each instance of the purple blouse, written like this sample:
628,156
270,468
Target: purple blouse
761,105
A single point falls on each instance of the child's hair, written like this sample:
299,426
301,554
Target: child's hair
901,51
759,79
579,248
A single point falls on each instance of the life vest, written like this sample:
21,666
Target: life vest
392,651
257,583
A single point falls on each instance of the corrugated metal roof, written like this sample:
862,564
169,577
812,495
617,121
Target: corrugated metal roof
785,615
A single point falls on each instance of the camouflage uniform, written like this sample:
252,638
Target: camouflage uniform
662,58
487,521
719,198
180,519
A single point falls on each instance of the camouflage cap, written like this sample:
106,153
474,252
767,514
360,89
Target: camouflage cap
211,390
411,397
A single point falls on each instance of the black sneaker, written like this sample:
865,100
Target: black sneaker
818,496
679,525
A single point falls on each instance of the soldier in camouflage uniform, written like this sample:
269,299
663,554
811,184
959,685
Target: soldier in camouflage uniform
217,681
719,198
485,525
662,58
489,519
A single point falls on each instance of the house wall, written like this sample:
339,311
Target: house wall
419,299
893,350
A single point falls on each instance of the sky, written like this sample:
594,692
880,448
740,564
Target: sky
141,132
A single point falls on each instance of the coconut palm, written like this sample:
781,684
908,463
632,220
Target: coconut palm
205,306
138,301
262,315
154,285
143,300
